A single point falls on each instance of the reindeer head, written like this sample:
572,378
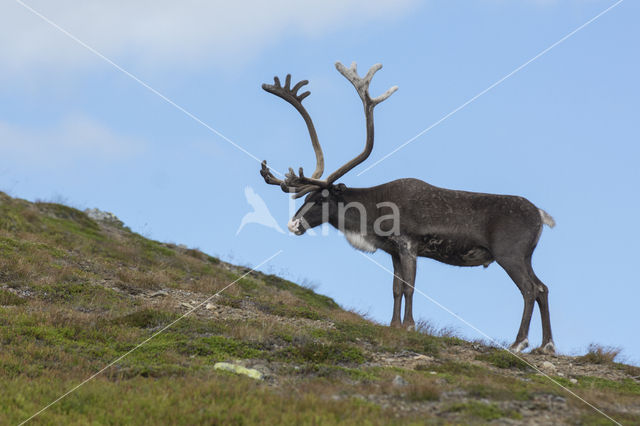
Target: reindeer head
321,204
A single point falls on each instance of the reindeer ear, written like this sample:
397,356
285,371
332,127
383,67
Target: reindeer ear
341,187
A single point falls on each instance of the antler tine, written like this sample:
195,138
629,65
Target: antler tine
390,91
292,184
297,87
300,185
285,92
271,179
374,69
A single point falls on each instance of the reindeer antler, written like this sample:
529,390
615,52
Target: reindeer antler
299,184
291,96
362,87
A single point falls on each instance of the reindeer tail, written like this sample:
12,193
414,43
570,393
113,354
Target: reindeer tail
547,219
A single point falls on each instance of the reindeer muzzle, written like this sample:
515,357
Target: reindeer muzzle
295,226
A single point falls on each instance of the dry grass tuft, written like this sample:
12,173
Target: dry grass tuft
598,354
151,279
8,298
426,327
423,390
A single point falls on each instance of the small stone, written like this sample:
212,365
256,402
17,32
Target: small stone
399,381
433,372
266,371
210,306
422,357
548,366
186,305
105,217
456,393
572,380
159,293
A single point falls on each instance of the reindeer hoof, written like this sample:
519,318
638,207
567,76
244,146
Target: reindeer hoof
547,349
409,326
519,346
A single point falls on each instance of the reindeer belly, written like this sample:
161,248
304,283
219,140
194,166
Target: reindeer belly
453,251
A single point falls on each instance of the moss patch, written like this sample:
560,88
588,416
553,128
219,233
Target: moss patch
319,353
503,359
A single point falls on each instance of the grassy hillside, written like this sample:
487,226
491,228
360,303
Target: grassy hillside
75,294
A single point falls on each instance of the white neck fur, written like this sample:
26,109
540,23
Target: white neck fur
359,242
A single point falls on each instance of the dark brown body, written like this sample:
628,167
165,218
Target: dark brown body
455,227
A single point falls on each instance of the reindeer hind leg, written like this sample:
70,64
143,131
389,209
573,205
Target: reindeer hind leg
517,270
542,298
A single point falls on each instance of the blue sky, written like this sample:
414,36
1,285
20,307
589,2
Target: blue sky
562,132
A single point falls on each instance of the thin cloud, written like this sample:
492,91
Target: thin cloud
164,32
75,140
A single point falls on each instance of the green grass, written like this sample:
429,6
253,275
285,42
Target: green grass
79,293
626,386
208,399
383,337
307,295
455,368
9,299
146,318
284,310
318,353
331,371
481,410
502,359
500,390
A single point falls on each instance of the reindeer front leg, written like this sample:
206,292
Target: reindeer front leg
397,291
408,262
404,277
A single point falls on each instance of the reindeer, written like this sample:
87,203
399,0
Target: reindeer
408,218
